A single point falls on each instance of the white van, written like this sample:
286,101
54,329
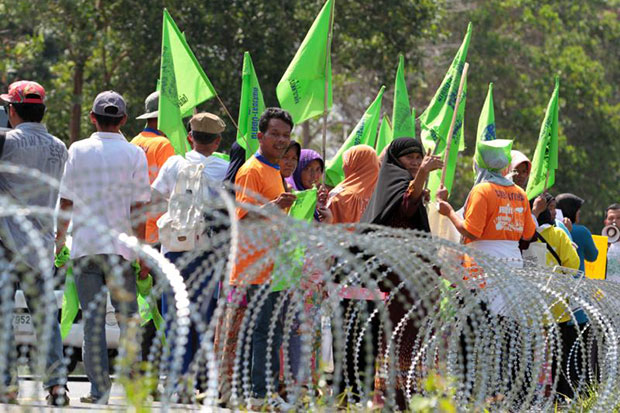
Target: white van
25,335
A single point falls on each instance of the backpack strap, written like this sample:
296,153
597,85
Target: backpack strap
549,248
2,140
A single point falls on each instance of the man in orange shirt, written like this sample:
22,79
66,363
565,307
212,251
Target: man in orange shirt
260,175
157,149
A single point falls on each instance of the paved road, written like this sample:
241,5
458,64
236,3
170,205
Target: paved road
32,397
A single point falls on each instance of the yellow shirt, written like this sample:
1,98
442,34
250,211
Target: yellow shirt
561,244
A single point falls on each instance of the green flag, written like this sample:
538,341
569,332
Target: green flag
434,178
486,122
365,132
301,91
183,85
545,160
251,108
70,301
305,204
402,122
289,265
435,120
385,134
223,156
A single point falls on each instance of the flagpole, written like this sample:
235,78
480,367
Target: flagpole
451,130
227,112
325,97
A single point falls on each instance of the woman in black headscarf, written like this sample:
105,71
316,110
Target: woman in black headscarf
397,200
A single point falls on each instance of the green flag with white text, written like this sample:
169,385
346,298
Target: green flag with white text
436,119
183,85
251,107
403,123
301,91
385,135
434,178
365,132
545,160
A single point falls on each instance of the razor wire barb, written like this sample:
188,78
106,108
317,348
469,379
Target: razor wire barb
429,308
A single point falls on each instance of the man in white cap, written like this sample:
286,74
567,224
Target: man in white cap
105,180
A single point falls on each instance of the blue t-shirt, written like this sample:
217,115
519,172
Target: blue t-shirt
585,245
587,252
561,225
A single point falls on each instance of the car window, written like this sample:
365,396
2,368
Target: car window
4,118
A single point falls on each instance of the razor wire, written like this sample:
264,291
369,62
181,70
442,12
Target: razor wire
369,317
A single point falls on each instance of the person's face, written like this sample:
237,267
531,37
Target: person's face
311,174
275,140
521,175
552,211
288,163
613,217
411,162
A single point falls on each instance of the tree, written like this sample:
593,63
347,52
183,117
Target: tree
520,45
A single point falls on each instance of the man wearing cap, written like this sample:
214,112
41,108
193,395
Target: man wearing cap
205,136
105,180
157,148
30,145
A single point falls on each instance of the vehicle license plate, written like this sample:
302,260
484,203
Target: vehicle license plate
21,320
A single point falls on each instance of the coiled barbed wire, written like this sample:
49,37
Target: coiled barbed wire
438,317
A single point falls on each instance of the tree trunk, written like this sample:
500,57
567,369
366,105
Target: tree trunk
305,134
76,108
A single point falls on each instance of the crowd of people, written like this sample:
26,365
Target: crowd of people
386,189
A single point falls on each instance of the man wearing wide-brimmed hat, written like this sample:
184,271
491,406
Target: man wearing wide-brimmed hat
157,148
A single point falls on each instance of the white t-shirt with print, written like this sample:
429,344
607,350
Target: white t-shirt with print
104,175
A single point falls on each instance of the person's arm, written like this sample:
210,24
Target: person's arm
66,207
477,221
162,187
249,184
568,253
446,209
142,197
429,163
539,206
590,252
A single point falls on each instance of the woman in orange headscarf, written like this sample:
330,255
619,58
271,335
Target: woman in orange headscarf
349,199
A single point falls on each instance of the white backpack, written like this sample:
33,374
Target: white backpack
181,228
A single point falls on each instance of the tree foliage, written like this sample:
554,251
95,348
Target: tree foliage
77,48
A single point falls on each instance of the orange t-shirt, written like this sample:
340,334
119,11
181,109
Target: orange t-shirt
261,178
157,149
498,213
